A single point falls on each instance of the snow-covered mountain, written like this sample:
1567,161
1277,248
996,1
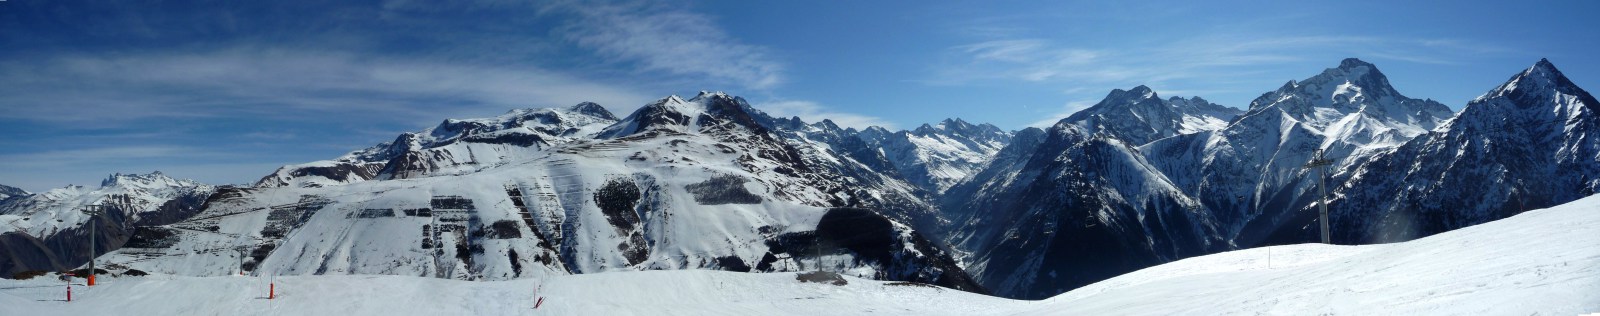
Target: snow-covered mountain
48,231
700,183
1165,179
1077,208
430,152
1544,262
1529,143
7,192
1078,203
1139,116
710,182
935,157
1251,173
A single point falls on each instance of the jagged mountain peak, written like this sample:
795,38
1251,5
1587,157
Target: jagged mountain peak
1143,91
1139,115
672,113
1543,75
10,191
708,94
825,124
1194,99
1538,96
952,125
592,109
1334,100
1353,63
1352,78
1140,92
154,178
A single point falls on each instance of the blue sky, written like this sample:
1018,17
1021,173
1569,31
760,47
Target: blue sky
226,91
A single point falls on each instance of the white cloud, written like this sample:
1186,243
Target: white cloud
672,40
282,83
813,112
1208,57
1066,110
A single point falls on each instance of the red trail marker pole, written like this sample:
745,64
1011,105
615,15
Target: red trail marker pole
540,302
69,291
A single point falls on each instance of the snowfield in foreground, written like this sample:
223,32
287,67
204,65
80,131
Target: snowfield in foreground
1540,262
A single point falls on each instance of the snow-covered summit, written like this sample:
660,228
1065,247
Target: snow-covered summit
592,109
1354,101
153,180
516,130
705,112
1140,116
10,191
936,156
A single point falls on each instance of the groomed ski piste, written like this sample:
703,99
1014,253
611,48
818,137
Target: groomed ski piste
1544,262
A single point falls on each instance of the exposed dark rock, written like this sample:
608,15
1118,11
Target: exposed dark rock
616,200
517,139
152,237
723,189
873,239
823,277
504,229
732,263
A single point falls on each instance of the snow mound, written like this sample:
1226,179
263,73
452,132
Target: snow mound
1540,262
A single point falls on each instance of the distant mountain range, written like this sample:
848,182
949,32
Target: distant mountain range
710,182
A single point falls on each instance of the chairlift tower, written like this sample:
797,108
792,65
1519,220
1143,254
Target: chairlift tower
94,211
1322,183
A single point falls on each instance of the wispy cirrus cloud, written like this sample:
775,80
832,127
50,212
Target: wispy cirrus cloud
1040,60
234,83
668,39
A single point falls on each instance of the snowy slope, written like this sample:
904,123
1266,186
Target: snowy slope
1540,262
687,292
679,184
39,231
